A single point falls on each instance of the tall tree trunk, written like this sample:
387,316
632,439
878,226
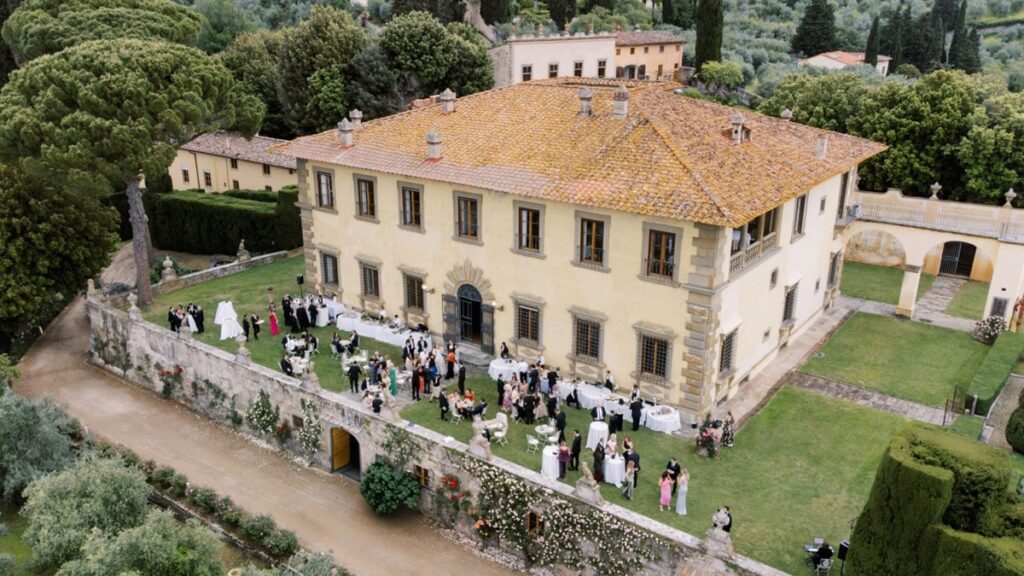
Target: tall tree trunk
140,243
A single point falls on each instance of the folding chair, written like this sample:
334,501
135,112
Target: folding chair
499,436
823,567
532,444
456,416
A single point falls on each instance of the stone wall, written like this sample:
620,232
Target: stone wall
875,247
221,385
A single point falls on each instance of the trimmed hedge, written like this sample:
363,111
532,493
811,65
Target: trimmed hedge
995,370
254,195
1015,429
964,554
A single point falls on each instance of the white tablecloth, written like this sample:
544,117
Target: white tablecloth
614,470
549,463
375,331
334,308
588,394
598,432
323,317
502,368
661,418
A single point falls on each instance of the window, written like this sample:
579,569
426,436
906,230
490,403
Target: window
653,356
184,175
207,179
821,208
833,269
774,280
553,70
661,253
844,185
661,49
297,422
726,362
675,66
591,247
678,48
789,308
291,171
234,184
799,215
577,69
268,188
325,189
414,292
412,206
602,67
422,475
647,49
371,281
588,339
528,230
527,73
632,50
534,524
467,217
234,164
761,228
527,323
329,265
366,198
618,51
659,70
266,169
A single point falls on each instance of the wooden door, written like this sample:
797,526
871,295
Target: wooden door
341,455
450,317
487,329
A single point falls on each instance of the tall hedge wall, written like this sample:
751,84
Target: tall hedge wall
958,553
995,370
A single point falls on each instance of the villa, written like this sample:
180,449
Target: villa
221,161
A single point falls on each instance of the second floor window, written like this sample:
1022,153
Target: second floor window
234,164
366,198
602,68
527,73
528,235
552,70
266,169
468,214
411,207
577,69
591,241
371,281
324,190
751,234
799,215
661,254
844,185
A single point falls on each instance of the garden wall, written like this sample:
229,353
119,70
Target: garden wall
220,385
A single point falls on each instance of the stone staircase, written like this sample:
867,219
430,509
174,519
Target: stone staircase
476,360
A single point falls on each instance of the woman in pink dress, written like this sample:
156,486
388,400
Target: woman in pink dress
666,491
274,330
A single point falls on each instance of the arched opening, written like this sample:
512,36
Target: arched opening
964,272
873,268
345,453
470,314
957,259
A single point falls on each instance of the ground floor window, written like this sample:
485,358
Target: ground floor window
371,281
654,356
726,363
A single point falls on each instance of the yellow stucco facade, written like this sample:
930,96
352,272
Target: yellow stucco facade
197,170
657,61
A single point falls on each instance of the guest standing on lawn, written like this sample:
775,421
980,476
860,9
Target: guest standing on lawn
630,475
274,329
666,491
682,485
574,460
563,458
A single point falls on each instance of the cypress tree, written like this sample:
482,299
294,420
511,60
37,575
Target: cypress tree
668,16
710,21
970,61
817,30
495,11
871,52
561,11
936,45
959,44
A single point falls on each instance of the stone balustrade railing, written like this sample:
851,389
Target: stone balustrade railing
1003,223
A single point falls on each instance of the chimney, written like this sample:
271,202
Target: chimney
356,116
434,145
586,100
737,127
822,149
345,129
620,103
786,115
447,101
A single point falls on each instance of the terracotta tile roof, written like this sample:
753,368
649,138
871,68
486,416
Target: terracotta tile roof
848,58
643,37
672,156
234,145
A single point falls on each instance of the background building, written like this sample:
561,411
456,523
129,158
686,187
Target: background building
650,54
525,58
838,59
221,161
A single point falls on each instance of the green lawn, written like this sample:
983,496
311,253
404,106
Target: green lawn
877,283
801,468
969,301
968,426
900,358
12,543
248,291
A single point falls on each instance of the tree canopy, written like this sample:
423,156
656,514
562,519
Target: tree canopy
252,60
827,101
33,441
223,20
418,45
41,27
710,20
816,32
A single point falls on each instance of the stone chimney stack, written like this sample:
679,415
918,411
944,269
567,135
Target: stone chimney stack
620,103
737,127
345,129
586,101
356,116
434,145
822,149
786,115
447,101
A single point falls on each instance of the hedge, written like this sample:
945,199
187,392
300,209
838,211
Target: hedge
1015,429
254,195
988,381
958,553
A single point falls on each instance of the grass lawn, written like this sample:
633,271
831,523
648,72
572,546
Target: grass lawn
801,468
968,426
248,291
12,542
900,358
877,283
969,301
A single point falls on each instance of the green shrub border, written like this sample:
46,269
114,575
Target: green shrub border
995,370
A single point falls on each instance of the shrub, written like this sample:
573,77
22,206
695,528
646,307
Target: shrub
3,529
989,329
205,499
993,373
258,528
7,565
1015,429
386,489
228,513
163,476
178,484
281,544
267,196
261,414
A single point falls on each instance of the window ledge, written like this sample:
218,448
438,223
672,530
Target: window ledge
586,360
651,379
466,240
370,219
796,237
327,210
723,376
532,344
530,253
594,267
659,280
370,297
411,228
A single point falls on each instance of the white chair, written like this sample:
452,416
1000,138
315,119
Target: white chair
553,439
823,567
502,419
499,436
456,416
532,444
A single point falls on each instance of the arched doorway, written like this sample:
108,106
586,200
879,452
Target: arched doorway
957,259
470,314
345,453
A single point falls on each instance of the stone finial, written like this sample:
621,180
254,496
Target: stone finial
435,145
242,254
447,101
345,131
821,149
786,115
620,102
133,311
310,381
243,356
717,541
587,488
586,101
90,287
168,274
737,127
935,188
356,116
1010,195
479,445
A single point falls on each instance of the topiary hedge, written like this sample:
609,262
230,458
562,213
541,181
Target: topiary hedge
1015,429
255,195
988,381
955,553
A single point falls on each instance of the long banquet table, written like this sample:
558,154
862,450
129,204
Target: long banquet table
660,418
375,331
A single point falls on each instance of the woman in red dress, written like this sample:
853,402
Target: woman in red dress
274,330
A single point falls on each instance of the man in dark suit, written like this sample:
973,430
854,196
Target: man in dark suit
313,311
674,470
633,455
574,453
303,318
728,525
255,321
501,391
172,319
200,318
462,379
552,403
615,422
377,403
353,377
552,380
573,398
442,402
636,409
286,366
529,403
286,310
559,417
480,408
353,342
245,326
598,412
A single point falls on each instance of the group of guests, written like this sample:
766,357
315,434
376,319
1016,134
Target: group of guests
299,313
192,315
297,349
674,482
429,367
381,374
462,403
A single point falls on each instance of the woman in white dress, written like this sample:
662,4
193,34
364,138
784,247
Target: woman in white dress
682,486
